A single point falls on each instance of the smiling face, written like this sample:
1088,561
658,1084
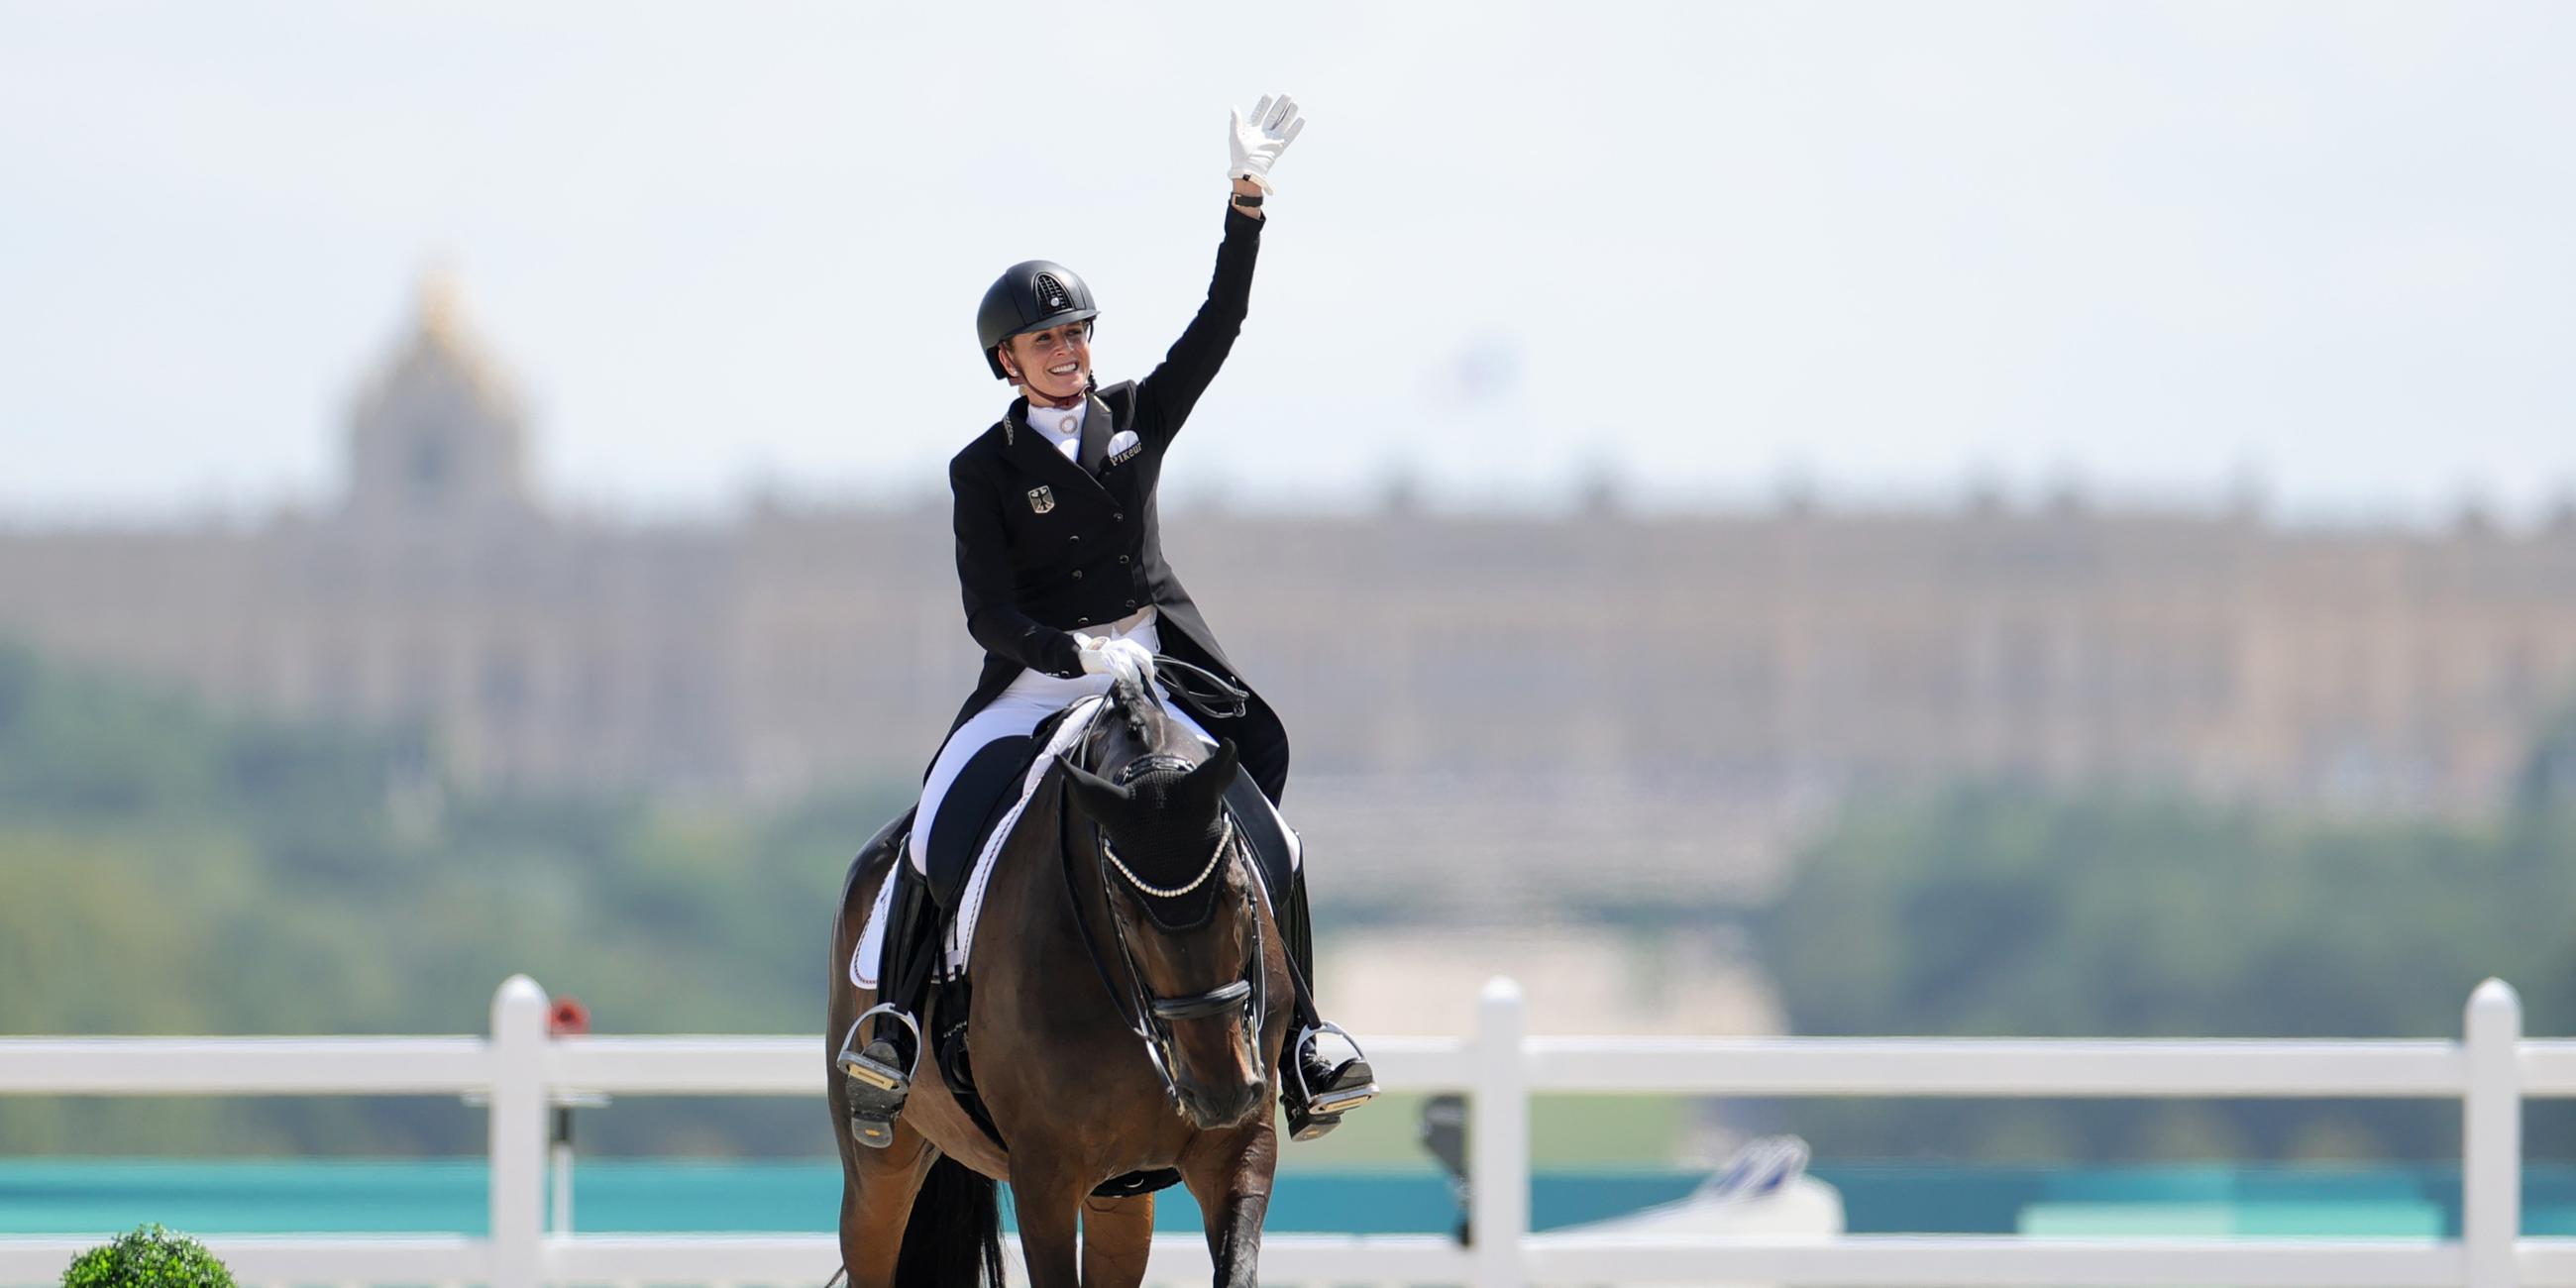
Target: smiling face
1054,365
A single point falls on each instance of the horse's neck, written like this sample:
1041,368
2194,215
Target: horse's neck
1083,875
1058,882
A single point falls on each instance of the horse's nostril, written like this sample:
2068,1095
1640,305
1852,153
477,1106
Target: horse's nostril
1224,1105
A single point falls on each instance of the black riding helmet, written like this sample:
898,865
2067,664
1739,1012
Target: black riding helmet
1029,296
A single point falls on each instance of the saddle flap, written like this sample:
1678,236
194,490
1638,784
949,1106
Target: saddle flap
984,798
986,787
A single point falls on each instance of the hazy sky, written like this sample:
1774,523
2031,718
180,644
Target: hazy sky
1702,248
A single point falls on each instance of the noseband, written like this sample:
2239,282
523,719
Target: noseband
1215,1001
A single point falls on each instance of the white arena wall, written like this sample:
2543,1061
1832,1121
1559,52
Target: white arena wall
521,1069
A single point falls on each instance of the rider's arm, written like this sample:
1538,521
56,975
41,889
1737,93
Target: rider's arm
993,613
1164,399
1245,190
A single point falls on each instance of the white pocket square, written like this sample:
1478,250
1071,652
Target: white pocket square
1121,443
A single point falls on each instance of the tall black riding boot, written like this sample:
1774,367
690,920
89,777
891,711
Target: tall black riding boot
1324,1074
880,1074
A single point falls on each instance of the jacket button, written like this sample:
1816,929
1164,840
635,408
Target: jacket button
1075,540
1077,574
1082,621
1131,603
1118,518
1123,560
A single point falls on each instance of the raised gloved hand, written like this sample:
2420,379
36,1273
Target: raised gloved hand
1259,141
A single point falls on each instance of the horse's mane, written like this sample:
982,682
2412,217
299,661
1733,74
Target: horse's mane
1128,694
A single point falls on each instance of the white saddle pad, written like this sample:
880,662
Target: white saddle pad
961,932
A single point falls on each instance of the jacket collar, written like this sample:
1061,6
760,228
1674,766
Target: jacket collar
1040,454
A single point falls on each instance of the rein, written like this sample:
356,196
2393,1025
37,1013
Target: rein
1237,994
1147,1016
1213,698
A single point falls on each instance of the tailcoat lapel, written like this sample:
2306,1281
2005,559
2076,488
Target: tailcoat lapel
1096,430
1038,455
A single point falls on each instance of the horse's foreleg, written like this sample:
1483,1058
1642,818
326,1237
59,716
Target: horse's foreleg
1049,1208
1117,1236
1232,1184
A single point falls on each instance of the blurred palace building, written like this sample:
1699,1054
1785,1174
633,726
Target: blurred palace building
1567,686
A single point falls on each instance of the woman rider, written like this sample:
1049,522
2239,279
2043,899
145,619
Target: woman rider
1059,554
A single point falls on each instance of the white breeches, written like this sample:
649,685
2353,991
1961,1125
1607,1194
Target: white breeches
1015,714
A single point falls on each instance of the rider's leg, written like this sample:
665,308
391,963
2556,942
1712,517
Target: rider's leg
1327,1075
1324,1072
881,1072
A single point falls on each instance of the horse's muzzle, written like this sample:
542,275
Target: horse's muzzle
1216,1076
1210,1108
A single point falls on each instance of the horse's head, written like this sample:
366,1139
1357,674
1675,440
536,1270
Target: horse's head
1180,902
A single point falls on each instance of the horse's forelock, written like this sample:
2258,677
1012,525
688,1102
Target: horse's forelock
1138,718
1137,707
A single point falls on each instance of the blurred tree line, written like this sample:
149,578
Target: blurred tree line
164,869
2013,913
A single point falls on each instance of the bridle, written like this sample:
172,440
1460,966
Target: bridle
1148,1016
1216,857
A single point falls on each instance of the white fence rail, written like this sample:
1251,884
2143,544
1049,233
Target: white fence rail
519,1068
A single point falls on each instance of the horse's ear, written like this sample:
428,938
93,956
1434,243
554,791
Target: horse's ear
1208,781
1095,795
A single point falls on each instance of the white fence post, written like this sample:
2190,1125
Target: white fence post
2491,1136
2488,1069
518,1134
1498,1147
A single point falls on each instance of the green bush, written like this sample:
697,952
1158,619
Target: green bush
149,1257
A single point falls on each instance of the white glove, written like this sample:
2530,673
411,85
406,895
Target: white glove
1126,655
1118,657
1259,141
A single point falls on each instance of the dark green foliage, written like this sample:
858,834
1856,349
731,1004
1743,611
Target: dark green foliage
148,1257
167,870
2548,778
2003,913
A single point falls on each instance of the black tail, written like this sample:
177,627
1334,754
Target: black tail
954,1239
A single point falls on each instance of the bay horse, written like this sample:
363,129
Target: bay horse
1119,1010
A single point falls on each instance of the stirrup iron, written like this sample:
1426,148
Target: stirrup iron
877,1089
876,1073
1319,1111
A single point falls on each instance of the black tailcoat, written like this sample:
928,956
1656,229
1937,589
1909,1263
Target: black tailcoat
1046,546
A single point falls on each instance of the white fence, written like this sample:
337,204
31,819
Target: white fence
519,1067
